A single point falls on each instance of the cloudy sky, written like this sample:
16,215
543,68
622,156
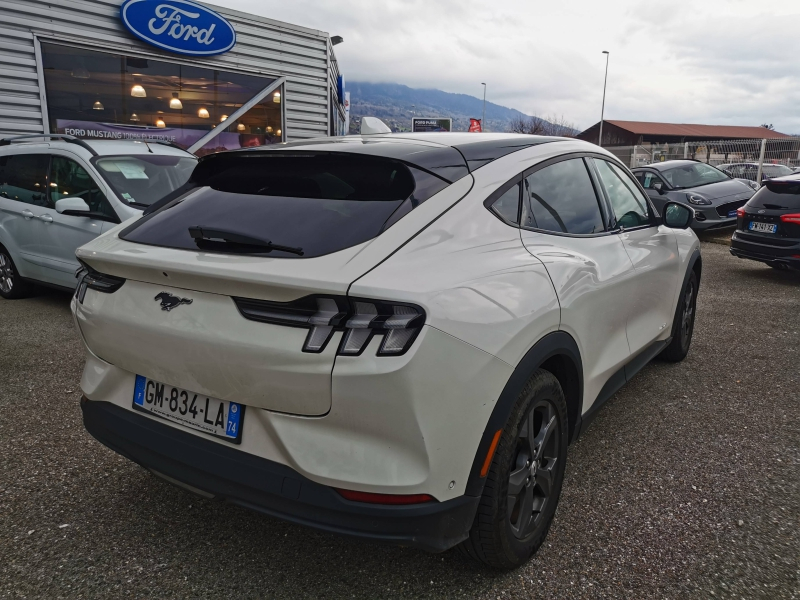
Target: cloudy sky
729,62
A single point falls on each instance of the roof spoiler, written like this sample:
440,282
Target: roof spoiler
67,138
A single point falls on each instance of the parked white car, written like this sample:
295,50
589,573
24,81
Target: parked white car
59,192
393,337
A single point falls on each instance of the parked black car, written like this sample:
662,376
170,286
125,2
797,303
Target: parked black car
768,226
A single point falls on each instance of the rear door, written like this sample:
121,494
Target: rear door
564,225
653,250
60,235
23,196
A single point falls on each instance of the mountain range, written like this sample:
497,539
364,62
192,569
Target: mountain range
396,104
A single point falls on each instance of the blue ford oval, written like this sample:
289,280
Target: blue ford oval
179,26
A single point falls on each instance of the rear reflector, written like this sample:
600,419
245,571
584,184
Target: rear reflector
393,499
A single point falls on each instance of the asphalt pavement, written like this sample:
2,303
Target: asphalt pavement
687,485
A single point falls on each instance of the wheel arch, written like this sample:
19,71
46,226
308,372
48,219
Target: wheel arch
696,264
557,353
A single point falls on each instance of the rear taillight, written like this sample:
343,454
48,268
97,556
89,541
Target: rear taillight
88,278
398,323
791,218
393,499
740,211
359,319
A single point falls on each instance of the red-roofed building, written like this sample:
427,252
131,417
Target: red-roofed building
638,133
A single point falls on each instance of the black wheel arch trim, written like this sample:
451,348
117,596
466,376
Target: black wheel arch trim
693,260
557,343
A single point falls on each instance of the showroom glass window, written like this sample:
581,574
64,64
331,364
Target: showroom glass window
100,95
561,198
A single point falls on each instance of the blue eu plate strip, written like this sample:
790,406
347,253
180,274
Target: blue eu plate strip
138,391
234,415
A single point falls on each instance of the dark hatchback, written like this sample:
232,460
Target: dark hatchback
768,226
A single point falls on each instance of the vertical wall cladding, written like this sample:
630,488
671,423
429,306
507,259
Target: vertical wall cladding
20,107
264,46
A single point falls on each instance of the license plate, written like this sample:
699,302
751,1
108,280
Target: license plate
217,417
763,227
732,213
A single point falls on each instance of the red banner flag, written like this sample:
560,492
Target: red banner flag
475,126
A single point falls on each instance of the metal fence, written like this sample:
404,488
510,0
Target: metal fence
748,159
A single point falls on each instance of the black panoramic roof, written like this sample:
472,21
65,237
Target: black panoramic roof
449,156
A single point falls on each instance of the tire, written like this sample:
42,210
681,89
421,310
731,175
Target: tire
11,284
683,325
502,536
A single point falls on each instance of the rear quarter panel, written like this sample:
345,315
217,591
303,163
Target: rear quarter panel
472,274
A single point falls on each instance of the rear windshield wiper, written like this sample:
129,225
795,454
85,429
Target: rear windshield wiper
231,241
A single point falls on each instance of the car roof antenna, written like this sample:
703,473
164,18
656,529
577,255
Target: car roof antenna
373,126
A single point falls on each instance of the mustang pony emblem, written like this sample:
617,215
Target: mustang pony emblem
168,301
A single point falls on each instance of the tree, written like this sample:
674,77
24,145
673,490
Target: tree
556,126
768,126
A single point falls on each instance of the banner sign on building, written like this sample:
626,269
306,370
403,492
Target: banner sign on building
87,130
179,26
419,125
475,126
347,112
340,88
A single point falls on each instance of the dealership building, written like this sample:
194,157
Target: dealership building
203,77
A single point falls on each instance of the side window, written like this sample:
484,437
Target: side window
507,205
70,180
22,178
629,204
561,198
648,179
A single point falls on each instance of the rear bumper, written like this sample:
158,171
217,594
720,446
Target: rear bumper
777,255
271,488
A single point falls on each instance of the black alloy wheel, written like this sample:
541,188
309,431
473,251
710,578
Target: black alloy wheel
530,483
524,481
11,285
683,326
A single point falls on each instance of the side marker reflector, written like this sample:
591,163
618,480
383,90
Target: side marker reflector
489,455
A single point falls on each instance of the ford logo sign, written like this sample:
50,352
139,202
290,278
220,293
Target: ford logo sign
179,26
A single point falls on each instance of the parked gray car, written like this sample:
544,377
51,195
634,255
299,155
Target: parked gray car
711,193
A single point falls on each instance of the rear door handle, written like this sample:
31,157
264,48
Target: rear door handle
27,214
46,218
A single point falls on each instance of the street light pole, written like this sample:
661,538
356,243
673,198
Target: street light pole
483,116
603,107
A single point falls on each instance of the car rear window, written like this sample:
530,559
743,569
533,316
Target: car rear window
314,203
777,194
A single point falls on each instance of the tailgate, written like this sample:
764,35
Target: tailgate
207,347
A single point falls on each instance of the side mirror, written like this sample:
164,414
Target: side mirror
677,215
728,173
69,206
659,187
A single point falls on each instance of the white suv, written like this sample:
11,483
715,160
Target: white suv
393,337
60,192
